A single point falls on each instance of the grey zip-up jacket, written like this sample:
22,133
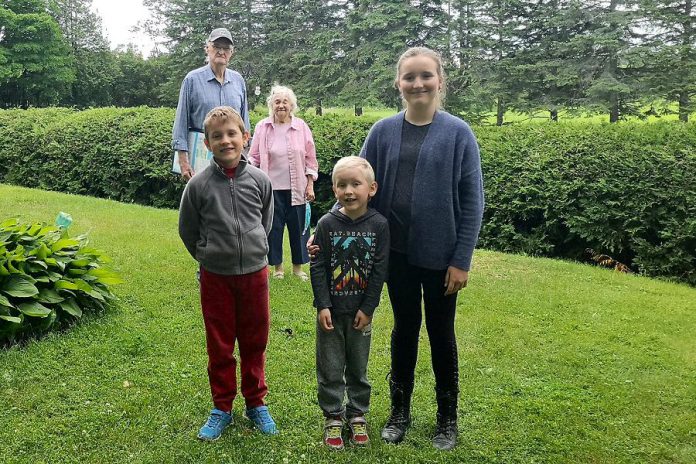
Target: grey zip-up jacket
224,223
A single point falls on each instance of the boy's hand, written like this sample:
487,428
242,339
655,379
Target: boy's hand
361,320
455,279
312,249
324,318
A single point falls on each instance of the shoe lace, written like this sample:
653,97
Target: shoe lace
359,429
333,431
264,417
214,420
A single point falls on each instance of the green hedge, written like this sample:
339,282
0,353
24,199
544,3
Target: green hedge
551,189
627,190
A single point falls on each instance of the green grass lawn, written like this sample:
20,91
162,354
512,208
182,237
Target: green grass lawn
560,362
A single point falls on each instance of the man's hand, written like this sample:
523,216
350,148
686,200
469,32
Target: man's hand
185,167
324,318
455,280
361,320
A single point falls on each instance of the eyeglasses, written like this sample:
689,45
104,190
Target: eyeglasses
222,49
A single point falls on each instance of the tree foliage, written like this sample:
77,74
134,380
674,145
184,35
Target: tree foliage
611,56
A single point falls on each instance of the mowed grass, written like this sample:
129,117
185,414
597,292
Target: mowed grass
560,362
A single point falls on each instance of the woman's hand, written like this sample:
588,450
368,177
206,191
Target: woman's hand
309,191
455,279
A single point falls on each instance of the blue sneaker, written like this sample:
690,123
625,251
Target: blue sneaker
213,427
262,420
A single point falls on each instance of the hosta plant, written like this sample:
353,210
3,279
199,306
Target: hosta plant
47,279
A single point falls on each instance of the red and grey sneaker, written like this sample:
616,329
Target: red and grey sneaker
358,431
333,428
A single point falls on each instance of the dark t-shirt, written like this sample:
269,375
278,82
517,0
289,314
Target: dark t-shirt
412,137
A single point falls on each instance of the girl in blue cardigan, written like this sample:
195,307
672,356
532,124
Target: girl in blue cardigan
428,169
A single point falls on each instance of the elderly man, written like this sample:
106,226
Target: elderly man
204,89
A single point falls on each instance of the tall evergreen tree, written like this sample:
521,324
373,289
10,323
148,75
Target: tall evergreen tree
672,40
35,62
95,67
377,33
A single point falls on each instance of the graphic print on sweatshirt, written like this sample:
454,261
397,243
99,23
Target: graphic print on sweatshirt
352,258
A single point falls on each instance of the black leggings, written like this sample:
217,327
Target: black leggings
406,285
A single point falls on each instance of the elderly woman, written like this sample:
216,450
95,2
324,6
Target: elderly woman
202,90
283,148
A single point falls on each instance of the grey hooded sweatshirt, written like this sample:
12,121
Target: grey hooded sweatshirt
350,269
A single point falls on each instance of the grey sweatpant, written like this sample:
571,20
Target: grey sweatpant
342,356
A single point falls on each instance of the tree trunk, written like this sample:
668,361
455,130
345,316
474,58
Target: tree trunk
614,110
684,106
500,113
554,115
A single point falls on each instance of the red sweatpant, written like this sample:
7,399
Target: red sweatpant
236,308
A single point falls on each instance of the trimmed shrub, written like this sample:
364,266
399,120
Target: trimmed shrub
626,189
48,279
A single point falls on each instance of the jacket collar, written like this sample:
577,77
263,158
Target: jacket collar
295,122
240,167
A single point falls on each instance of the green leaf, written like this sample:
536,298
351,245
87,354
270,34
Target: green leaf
5,302
20,286
71,307
105,277
46,295
16,320
64,243
81,262
33,230
82,285
65,285
3,271
34,309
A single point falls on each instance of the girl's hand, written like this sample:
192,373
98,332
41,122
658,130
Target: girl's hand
455,279
324,318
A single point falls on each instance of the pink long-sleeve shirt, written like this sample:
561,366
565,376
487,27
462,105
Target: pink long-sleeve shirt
302,155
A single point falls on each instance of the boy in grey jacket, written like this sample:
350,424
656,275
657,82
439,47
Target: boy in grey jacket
347,274
225,216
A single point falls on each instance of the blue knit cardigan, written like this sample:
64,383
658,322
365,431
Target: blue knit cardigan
447,200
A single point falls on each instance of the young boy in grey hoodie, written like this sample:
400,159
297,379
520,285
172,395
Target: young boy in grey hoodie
347,274
225,215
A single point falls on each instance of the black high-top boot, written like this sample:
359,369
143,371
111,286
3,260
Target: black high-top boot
446,428
399,420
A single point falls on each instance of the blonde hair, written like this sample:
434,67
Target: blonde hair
281,90
432,54
223,113
353,162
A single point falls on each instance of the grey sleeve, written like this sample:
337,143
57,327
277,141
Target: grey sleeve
189,220
267,212
378,275
318,269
